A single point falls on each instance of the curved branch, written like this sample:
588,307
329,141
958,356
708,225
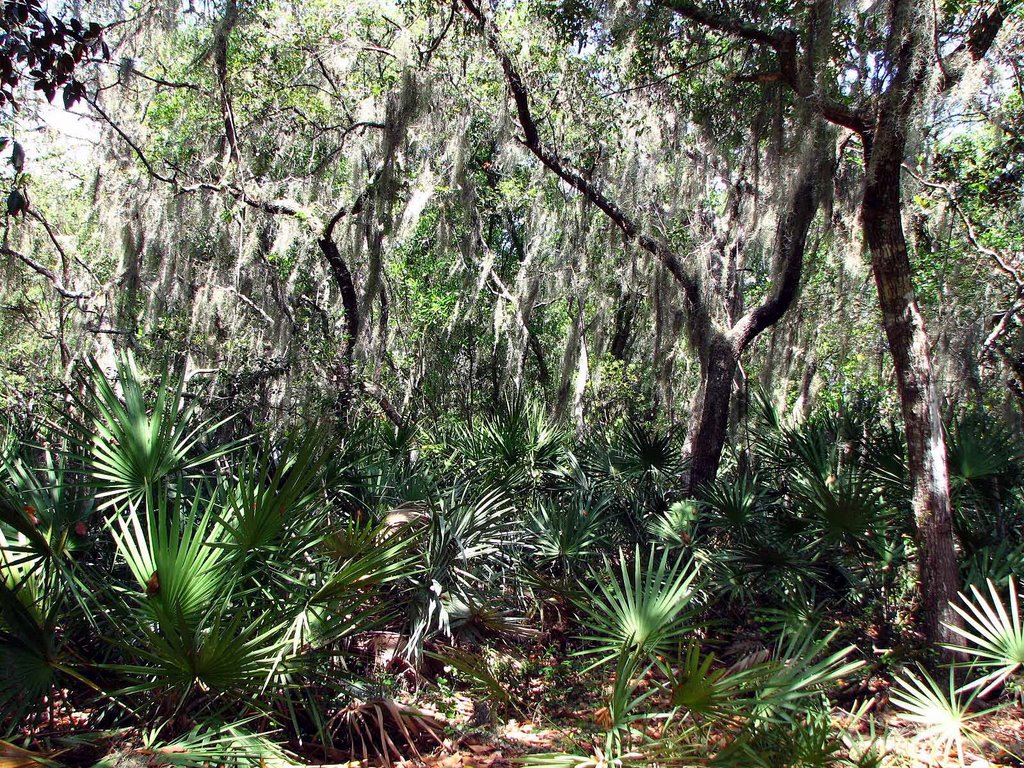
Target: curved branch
784,42
1003,261
49,274
220,62
790,245
150,169
779,39
980,37
552,161
56,243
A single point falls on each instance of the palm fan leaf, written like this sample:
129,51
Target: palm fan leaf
135,447
995,635
644,607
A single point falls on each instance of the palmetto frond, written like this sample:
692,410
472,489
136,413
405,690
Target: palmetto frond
50,497
981,450
797,675
566,533
643,605
734,502
646,453
844,505
225,655
275,491
464,542
135,446
174,549
995,636
189,620
362,556
209,743
39,593
674,527
700,688
517,448
941,713
29,644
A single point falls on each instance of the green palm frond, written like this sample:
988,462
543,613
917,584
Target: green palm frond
646,453
472,620
797,677
735,503
981,450
995,636
674,527
464,543
482,526
700,688
846,504
568,533
51,499
643,607
274,492
366,555
175,552
29,645
766,564
210,743
942,715
762,405
32,543
997,562
517,448
235,656
135,446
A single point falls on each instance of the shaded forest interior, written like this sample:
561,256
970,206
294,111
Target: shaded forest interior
397,381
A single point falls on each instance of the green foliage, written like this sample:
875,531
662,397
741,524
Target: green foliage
995,636
232,590
204,597
137,448
568,533
518,448
642,606
941,712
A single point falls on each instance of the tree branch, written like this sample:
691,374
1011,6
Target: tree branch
220,61
784,42
128,140
551,160
56,243
790,244
49,274
779,39
980,38
378,396
1003,261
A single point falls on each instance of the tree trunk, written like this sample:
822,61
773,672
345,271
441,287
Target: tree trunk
709,420
570,362
926,444
720,350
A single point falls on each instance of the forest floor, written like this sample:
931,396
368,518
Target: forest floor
559,709
504,744
556,706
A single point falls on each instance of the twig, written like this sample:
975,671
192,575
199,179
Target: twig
56,243
1003,261
49,274
128,140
